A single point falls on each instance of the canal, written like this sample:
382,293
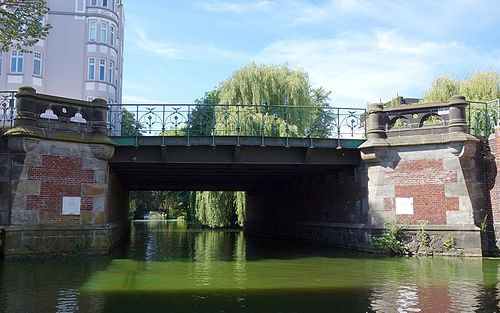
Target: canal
177,267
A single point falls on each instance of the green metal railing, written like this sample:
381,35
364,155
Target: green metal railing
236,120
483,117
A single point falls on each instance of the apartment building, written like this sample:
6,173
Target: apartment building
81,58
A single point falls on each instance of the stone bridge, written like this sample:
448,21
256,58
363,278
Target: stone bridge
64,181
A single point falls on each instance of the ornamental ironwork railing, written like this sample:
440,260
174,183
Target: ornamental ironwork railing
483,117
7,108
236,120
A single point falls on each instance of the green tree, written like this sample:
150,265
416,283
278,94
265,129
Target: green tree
220,208
202,119
129,124
20,23
478,86
142,202
274,95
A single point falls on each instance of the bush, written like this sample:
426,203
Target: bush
390,241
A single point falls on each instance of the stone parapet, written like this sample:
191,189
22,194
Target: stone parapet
56,118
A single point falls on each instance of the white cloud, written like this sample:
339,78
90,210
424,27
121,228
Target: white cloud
239,7
361,68
184,51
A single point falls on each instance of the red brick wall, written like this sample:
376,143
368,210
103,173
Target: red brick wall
59,177
493,179
424,181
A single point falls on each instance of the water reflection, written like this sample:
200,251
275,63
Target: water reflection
172,267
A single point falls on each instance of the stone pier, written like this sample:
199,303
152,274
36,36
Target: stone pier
60,188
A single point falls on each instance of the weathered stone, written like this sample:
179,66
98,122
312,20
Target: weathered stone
93,190
28,188
33,159
413,246
436,244
4,189
424,250
386,191
86,217
25,217
19,203
100,176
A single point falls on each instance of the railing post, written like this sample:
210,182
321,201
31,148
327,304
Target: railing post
136,125
287,126
375,123
238,124
457,114
163,123
262,127
189,126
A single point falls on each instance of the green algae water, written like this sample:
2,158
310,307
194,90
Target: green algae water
177,267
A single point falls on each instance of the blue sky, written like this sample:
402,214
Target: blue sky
362,50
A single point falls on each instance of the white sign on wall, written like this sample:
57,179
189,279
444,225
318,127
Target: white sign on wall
71,205
404,205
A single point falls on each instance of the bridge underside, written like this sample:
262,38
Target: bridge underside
150,165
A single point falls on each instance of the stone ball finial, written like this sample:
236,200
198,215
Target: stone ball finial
457,99
100,101
375,107
27,90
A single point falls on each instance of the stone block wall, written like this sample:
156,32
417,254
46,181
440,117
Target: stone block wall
491,220
330,209
47,171
430,186
5,164
493,177
44,172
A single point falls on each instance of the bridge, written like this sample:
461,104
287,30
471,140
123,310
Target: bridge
230,147
333,175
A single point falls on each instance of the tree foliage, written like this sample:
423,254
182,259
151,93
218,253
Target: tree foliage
129,124
276,85
220,208
274,96
478,86
20,23
173,204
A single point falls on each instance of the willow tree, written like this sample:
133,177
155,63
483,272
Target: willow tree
275,94
220,208
477,87
274,97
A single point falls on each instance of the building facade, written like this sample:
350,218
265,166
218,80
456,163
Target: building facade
81,58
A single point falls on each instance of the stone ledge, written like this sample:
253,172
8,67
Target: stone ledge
413,140
35,132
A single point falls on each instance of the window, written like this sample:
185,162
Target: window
93,2
104,32
37,64
92,31
112,36
16,62
91,71
102,69
110,72
80,6
105,3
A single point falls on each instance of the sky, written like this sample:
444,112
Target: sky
364,51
